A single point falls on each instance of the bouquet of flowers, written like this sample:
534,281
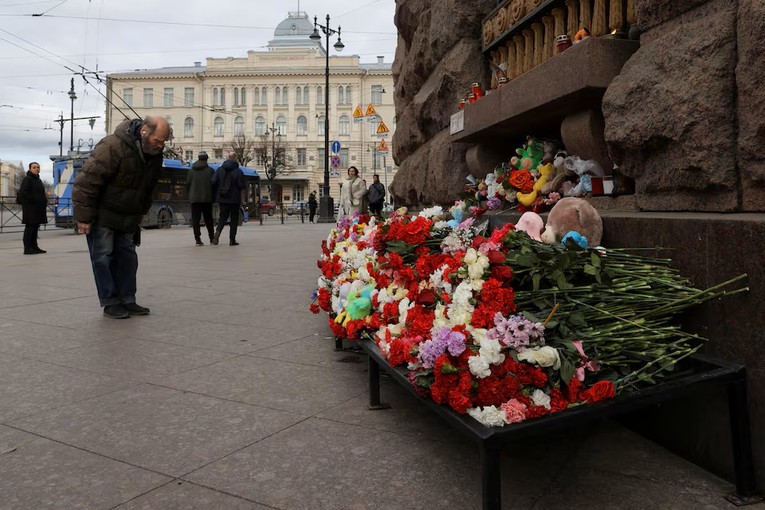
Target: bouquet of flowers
503,327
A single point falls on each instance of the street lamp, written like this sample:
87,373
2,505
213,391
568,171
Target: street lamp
72,96
326,204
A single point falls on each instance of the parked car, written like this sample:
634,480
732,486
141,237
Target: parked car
297,207
267,207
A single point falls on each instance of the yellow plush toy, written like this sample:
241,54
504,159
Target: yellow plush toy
528,198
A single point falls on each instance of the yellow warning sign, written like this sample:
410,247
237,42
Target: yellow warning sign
382,147
370,110
382,129
357,112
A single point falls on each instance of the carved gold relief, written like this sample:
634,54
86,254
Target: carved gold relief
599,25
488,33
517,10
585,15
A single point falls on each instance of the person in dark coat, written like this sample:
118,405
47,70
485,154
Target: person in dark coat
34,208
111,195
231,188
200,191
311,206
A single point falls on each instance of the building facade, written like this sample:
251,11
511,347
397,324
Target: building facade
268,94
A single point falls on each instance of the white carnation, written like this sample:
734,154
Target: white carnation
479,367
491,416
540,398
544,357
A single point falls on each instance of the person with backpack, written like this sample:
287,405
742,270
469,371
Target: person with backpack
376,196
34,208
200,191
230,192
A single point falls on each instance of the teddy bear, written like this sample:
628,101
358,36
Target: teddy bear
572,214
558,176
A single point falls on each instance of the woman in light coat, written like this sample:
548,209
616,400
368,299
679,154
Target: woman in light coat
352,193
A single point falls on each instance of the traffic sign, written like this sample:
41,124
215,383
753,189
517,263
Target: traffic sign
335,161
382,147
382,130
357,115
370,110
335,147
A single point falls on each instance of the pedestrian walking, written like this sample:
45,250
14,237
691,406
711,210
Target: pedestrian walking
200,192
112,193
376,196
34,208
228,180
352,193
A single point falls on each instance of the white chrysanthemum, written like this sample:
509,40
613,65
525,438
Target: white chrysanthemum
540,398
491,416
438,225
479,367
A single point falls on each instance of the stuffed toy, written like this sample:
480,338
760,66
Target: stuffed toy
558,176
358,306
529,157
528,198
584,169
531,223
573,215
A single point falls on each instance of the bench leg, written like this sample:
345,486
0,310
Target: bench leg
490,478
374,386
742,445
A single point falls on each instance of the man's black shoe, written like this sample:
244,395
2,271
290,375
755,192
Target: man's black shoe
116,312
35,252
215,239
233,243
41,251
135,309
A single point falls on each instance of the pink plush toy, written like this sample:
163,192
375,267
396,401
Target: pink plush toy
531,223
573,214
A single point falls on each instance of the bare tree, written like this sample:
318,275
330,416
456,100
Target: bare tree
270,151
242,147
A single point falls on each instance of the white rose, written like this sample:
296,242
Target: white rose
544,357
491,416
471,256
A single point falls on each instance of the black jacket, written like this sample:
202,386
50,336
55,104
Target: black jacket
34,203
114,188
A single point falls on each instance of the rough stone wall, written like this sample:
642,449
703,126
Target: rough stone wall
437,58
685,116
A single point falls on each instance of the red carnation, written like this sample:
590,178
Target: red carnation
601,390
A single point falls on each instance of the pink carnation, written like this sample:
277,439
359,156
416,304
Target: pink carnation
515,411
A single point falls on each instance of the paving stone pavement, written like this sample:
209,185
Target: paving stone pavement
230,395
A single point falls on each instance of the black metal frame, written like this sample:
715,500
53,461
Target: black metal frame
697,373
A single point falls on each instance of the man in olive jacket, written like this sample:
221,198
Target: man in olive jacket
200,191
111,194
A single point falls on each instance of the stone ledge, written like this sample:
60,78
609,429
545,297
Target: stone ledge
570,82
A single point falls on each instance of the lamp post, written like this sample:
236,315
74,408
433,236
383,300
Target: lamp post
326,204
72,96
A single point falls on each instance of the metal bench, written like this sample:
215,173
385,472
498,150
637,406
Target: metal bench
697,373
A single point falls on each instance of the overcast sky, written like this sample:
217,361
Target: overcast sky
41,42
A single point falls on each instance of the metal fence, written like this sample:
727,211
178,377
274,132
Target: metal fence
10,216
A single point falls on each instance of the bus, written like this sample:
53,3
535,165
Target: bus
170,205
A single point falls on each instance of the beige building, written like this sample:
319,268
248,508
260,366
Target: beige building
10,179
282,88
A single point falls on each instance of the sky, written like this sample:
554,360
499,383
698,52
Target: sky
43,43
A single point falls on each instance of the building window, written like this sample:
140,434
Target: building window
168,97
320,123
239,126
222,96
278,95
216,97
348,95
242,97
345,125
344,158
285,95
377,94
188,127
321,159
264,95
127,96
298,95
319,95
218,153
236,96
301,157
297,192
340,94
260,126
188,96
256,95
281,125
302,125
218,126
148,98
188,155
305,96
